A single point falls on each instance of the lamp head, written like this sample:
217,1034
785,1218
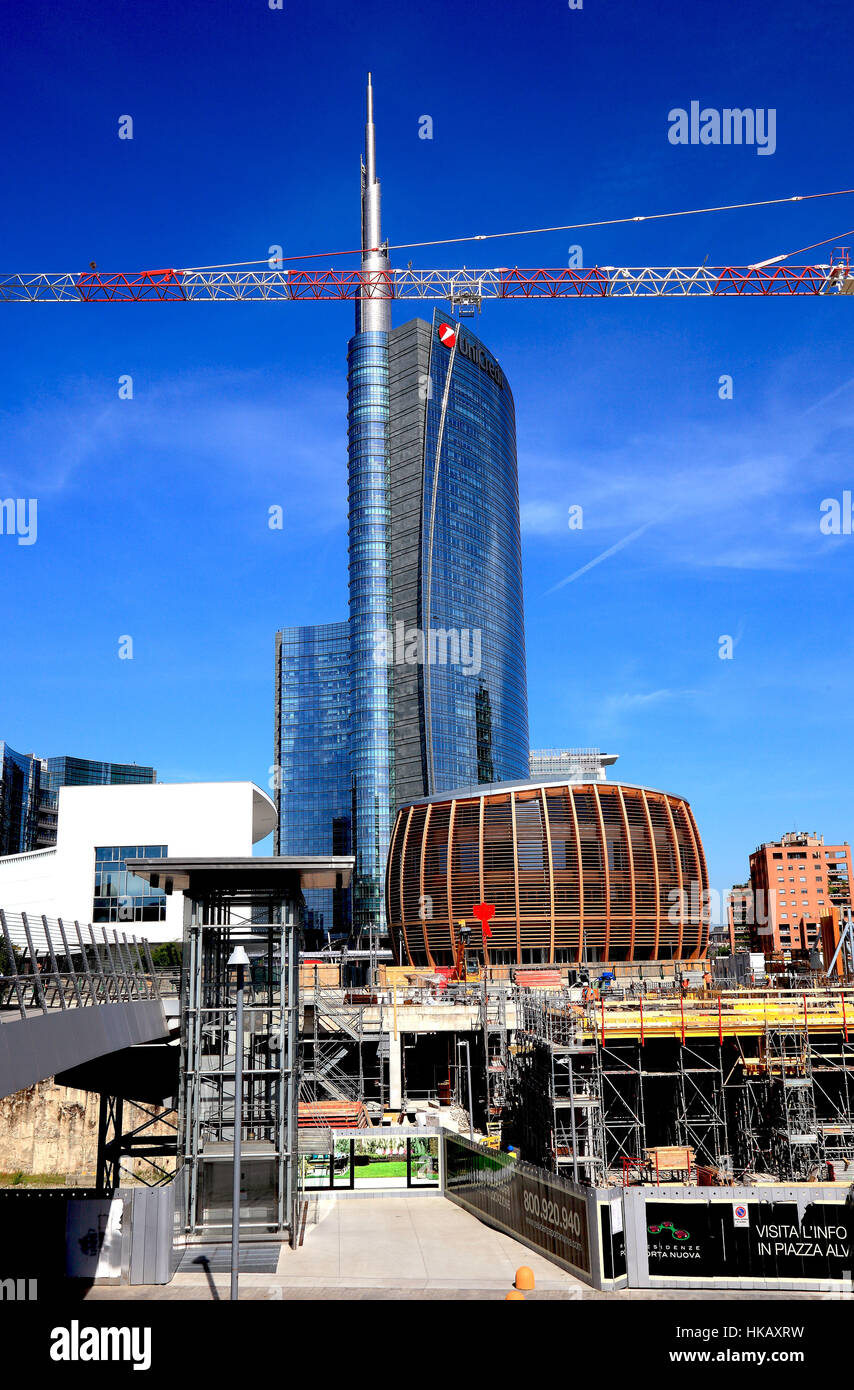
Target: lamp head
237,957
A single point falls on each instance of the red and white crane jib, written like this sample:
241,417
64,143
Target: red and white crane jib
598,282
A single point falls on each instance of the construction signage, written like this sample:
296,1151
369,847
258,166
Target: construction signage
524,1201
749,1240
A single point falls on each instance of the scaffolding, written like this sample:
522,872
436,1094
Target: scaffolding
496,1052
832,1068
701,1121
791,1105
557,1087
620,1069
795,1140
586,1096
342,1057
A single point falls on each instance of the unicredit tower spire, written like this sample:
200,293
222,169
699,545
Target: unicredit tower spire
373,314
423,689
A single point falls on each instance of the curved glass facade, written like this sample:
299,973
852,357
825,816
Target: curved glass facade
371,731
437,693
475,708
434,681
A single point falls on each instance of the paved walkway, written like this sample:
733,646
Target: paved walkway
386,1248
368,1247
414,1242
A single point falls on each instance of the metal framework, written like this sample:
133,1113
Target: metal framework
462,286
557,1088
141,1144
47,964
334,1051
267,1108
701,1122
581,1096
795,1139
496,1052
620,1068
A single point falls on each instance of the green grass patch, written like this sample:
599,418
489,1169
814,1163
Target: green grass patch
19,1179
381,1168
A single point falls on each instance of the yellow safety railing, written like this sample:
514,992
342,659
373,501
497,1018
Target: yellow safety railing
750,1012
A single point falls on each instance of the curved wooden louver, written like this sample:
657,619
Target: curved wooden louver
599,871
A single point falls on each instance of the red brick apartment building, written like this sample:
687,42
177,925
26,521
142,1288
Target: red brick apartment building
795,881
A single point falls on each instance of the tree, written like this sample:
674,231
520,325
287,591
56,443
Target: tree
6,967
167,955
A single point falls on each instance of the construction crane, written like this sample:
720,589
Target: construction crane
463,287
376,281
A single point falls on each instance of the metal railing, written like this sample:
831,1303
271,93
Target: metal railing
47,964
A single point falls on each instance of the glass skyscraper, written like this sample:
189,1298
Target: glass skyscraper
436,681
28,793
21,795
88,772
461,711
313,781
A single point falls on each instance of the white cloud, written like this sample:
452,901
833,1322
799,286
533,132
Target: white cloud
709,497
234,429
643,699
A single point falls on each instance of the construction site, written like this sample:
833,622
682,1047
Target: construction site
470,969
649,1079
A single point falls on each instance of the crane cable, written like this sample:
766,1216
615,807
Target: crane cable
537,231
275,261
759,265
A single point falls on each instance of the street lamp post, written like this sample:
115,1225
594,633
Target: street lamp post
237,961
463,1043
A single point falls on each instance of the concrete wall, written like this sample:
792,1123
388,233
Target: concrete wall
49,1129
28,883
53,1129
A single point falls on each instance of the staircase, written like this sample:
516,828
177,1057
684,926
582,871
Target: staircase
325,1072
335,1015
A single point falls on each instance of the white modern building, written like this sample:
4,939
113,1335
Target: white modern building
572,764
99,828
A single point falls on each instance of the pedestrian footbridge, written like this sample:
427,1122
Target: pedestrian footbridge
71,994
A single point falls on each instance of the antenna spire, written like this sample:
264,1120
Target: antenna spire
373,314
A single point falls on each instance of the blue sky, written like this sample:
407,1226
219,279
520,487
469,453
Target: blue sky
247,132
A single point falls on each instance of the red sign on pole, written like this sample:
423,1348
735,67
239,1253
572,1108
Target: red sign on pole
483,912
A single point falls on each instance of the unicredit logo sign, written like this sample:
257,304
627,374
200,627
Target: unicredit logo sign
467,347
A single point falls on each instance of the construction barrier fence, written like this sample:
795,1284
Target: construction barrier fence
579,1228
769,1238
